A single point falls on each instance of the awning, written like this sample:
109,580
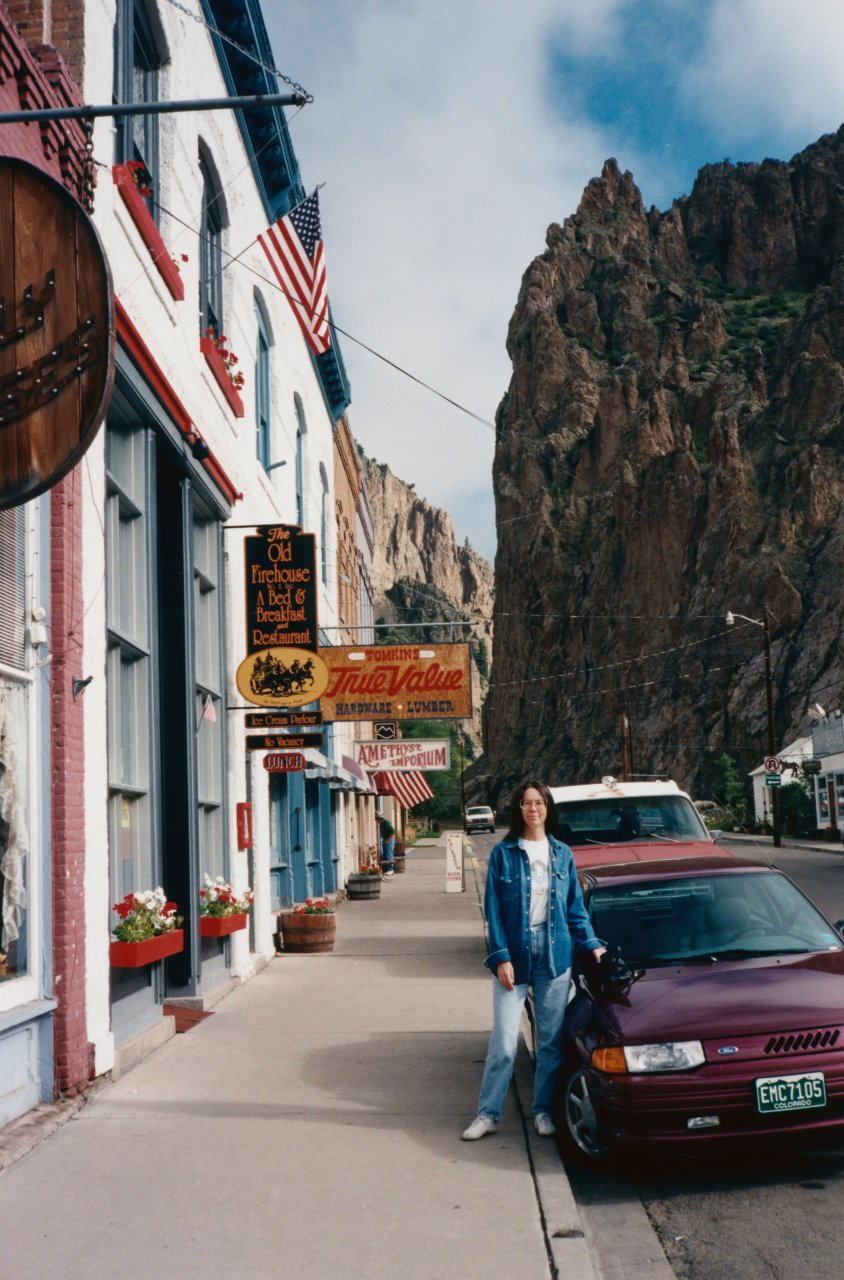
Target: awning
409,788
360,778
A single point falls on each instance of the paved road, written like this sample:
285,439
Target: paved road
763,1219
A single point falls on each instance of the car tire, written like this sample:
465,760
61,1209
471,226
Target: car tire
577,1126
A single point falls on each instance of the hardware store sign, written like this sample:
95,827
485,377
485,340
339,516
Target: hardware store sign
282,667
402,682
405,753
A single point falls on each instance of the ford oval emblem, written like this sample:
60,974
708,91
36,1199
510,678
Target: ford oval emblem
727,1049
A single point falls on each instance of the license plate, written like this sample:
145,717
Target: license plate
791,1093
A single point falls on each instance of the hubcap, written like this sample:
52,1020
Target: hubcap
580,1117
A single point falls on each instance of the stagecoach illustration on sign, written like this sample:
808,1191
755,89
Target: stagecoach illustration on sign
283,677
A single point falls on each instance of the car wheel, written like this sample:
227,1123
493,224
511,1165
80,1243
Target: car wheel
579,1129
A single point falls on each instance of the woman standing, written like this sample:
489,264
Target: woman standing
535,918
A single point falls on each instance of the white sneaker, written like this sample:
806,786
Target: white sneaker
544,1125
479,1128
389,873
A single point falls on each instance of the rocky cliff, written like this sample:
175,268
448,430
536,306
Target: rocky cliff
670,448
420,573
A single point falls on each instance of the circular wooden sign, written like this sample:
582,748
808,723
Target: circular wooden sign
56,332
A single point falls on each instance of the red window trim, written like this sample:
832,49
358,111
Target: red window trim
221,376
151,236
155,378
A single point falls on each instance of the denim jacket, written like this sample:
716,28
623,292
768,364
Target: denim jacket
507,909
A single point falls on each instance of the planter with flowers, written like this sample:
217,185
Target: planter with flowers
310,926
364,885
131,181
221,910
148,930
223,364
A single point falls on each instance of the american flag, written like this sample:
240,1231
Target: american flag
294,248
209,711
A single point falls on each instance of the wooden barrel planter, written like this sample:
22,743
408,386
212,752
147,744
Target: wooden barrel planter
302,932
360,887
398,863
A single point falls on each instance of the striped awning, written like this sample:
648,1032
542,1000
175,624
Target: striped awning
410,788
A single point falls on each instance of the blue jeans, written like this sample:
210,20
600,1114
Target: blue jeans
388,851
550,997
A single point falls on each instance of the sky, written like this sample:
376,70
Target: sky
449,134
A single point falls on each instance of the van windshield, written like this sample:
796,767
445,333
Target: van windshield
621,819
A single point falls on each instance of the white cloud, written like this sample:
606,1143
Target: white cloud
771,64
443,163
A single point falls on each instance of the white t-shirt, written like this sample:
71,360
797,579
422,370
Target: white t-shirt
538,857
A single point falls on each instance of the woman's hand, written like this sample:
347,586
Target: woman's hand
506,976
598,952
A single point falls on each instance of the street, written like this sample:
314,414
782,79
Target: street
762,1219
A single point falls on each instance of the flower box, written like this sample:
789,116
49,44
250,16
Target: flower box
219,926
149,233
134,955
221,375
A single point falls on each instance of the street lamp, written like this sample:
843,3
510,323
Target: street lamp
769,694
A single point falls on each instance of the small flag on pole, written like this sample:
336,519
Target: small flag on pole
209,711
294,248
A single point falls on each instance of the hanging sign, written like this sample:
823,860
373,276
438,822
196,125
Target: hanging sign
405,753
403,682
56,332
283,719
282,667
284,762
282,741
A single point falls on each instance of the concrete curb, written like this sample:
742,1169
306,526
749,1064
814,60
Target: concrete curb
566,1239
21,1136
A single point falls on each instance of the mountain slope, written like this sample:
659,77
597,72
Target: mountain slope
670,448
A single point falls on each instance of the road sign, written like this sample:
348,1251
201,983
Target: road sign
773,764
773,780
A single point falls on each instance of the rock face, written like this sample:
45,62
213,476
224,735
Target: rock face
419,572
670,448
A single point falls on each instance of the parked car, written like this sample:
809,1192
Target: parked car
478,817
606,814
728,1025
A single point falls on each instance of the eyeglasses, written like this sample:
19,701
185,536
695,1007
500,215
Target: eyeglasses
532,804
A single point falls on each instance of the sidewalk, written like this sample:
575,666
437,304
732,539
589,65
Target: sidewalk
787,842
311,1128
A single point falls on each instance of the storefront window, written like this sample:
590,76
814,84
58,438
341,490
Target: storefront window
128,592
210,707
14,742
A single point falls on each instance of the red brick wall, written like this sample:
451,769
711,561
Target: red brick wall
67,779
60,23
58,149
34,76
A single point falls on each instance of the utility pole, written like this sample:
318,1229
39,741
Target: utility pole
625,762
772,729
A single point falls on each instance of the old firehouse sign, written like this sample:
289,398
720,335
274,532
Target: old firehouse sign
56,332
283,668
404,682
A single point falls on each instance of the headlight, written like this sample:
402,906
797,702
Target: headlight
682,1055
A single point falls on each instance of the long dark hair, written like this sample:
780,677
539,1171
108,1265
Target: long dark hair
517,818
